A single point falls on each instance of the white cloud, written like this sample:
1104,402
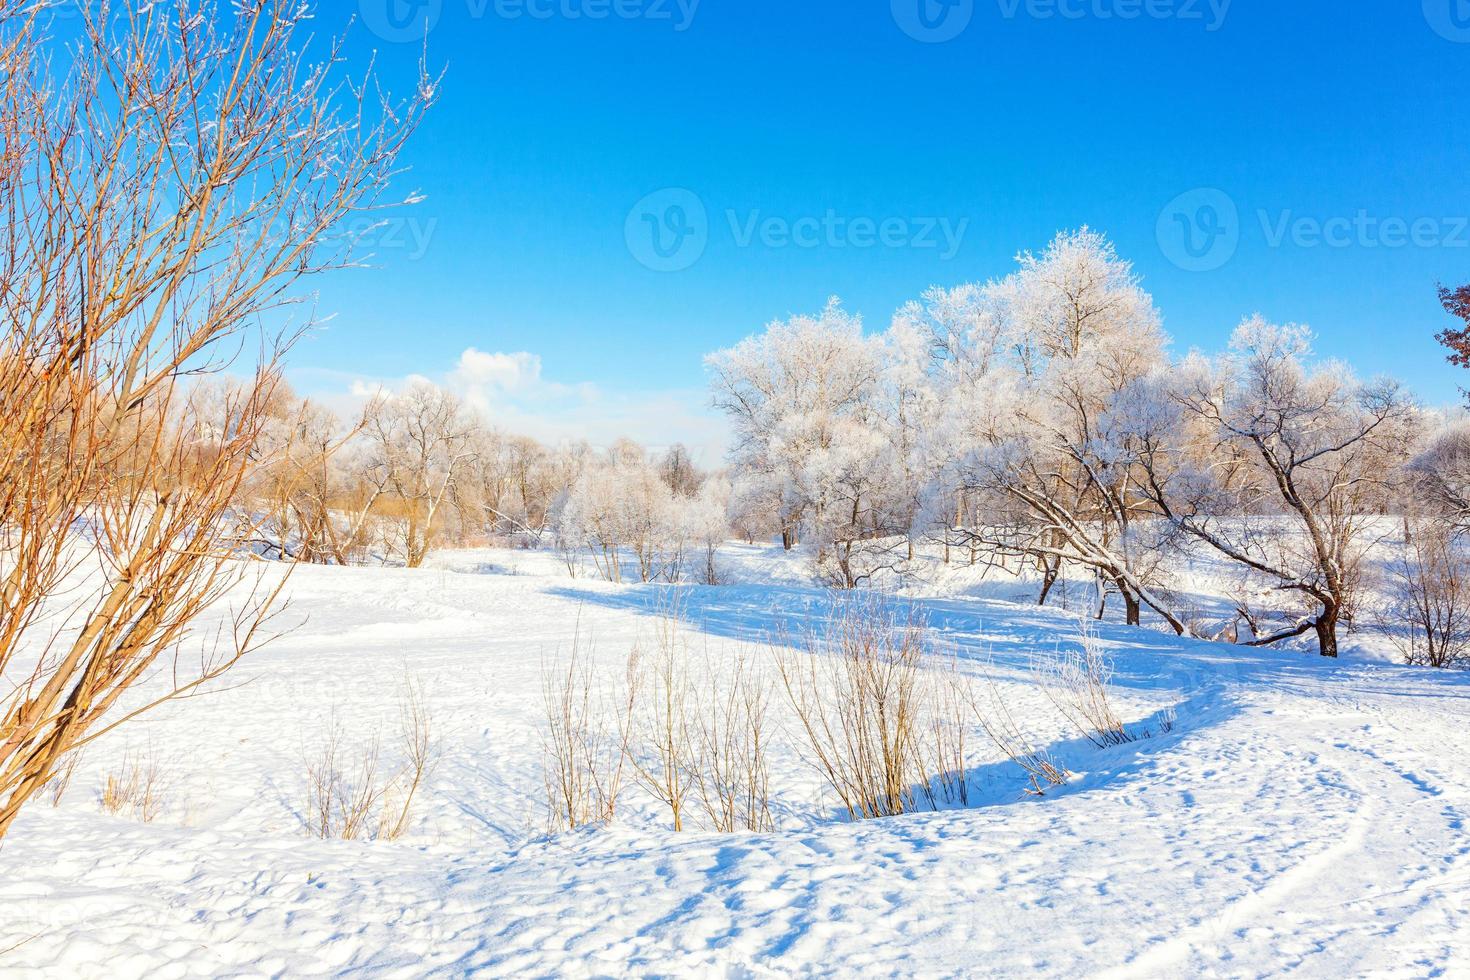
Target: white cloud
509,372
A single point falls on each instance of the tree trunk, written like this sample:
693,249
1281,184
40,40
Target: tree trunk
1326,627
1135,610
1050,569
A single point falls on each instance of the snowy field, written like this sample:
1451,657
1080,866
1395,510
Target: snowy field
1298,817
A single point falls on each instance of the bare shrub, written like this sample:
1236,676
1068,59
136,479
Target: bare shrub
944,747
350,796
343,793
166,194
1012,739
420,755
1428,611
657,729
877,725
732,771
1078,682
582,751
137,789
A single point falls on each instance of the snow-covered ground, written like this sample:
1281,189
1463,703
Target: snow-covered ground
1299,817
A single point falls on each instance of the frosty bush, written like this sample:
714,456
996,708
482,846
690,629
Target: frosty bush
625,516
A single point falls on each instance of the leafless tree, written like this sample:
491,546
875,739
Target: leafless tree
1287,470
422,440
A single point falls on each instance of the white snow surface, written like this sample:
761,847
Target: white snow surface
1301,817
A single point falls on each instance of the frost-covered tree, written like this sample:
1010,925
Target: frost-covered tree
805,401
1295,462
1440,473
1043,360
677,470
622,512
706,517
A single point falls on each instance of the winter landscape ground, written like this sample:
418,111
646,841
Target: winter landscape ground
546,488
1299,817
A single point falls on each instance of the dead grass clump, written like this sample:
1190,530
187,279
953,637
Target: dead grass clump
350,796
582,749
1078,681
883,719
136,789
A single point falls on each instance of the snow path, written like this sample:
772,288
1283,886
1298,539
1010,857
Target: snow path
1302,818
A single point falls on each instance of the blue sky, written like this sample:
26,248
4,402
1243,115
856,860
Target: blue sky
1316,153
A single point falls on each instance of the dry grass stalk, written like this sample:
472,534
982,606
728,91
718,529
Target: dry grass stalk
733,734
1078,681
862,688
950,710
351,797
137,789
582,751
61,781
1007,735
342,793
420,755
658,732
